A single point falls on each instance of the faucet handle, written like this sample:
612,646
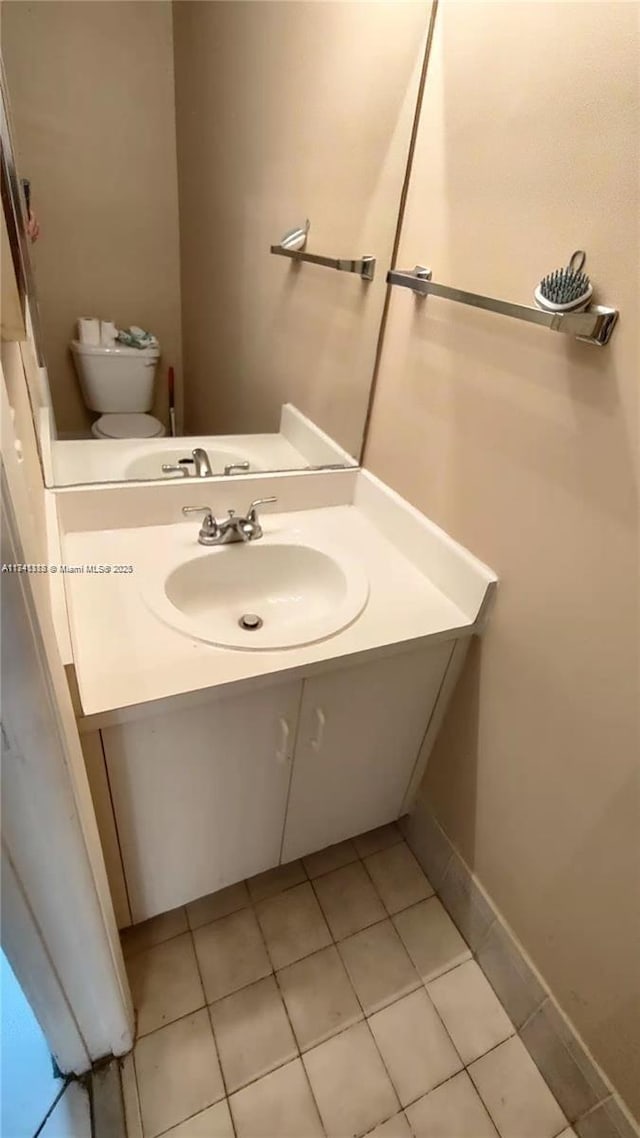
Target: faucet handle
168,468
209,530
197,510
251,512
236,466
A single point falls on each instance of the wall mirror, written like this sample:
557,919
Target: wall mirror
165,151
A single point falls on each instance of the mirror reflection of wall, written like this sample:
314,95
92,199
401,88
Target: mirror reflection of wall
168,145
92,104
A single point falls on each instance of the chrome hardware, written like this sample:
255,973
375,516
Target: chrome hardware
316,742
252,516
209,531
203,466
234,528
330,466
282,752
251,622
294,246
167,468
236,466
592,326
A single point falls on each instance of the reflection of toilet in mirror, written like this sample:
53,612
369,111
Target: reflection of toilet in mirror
247,333
118,382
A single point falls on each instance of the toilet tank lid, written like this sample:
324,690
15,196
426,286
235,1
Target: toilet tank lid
118,351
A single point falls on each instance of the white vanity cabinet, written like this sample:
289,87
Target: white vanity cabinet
207,795
200,794
359,734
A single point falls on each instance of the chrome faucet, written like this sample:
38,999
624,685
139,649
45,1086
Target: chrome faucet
203,466
234,527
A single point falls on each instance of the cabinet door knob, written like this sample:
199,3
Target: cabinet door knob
282,750
316,742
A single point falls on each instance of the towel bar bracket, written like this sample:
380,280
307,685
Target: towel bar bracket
294,246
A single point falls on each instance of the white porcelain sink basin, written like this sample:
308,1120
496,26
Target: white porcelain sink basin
262,595
149,465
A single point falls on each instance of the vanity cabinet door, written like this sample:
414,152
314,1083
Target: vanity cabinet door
359,736
200,794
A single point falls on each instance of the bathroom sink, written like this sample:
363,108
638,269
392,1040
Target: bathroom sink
260,596
149,465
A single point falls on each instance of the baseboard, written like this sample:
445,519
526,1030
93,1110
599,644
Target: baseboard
130,1097
581,1088
107,1102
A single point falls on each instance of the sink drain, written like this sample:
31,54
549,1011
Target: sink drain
251,622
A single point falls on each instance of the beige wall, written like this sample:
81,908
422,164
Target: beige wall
92,98
288,110
523,444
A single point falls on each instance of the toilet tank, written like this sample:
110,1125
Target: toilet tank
116,380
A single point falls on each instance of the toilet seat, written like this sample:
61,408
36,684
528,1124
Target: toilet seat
134,426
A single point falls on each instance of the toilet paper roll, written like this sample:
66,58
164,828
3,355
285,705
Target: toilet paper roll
88,330
108,333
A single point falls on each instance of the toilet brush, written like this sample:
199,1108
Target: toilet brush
172,405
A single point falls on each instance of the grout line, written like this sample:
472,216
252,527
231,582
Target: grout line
226,1095
422,985
364,1019
387,1072
377,921
170,1022
148,947
535,1011
251,906
335,868
547,998
479,1093
596,1106
251,903
286,1011
174,1125
390,845
137,1121
466,1066
213,1033
136,1081
567,1126
512,1035
446,971
359,1002
300,1053
485,935
377,890
449,1079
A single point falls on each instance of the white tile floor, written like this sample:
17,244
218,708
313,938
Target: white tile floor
331,997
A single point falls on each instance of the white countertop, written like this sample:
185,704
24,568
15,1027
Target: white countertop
125,655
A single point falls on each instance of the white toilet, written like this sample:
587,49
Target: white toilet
119,382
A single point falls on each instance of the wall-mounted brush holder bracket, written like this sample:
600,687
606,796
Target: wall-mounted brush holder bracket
294,246
594,325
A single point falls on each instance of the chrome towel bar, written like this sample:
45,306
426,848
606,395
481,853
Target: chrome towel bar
294,246
592,326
